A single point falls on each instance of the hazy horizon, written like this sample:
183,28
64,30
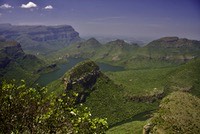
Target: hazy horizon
140,19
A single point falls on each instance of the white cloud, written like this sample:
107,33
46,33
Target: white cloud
29,5
0,14
48,7
5,6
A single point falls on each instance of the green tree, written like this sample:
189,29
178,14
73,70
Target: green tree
33,110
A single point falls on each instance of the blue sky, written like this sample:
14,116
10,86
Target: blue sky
131,18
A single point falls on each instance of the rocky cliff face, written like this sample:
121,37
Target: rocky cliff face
51,33
81,79
40,38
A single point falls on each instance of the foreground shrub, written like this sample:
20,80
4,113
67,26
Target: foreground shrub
32,110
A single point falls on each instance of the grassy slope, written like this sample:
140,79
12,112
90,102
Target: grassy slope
187,77
178,113
134,127
183,77
108,101
143,80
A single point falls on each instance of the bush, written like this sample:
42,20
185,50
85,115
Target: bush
32,110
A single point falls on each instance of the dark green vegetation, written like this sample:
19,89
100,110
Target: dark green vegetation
178,113
32,110
146,81
40,39
184,80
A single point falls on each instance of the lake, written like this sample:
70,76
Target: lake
45,79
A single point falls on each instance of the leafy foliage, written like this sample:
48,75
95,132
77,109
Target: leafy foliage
31,110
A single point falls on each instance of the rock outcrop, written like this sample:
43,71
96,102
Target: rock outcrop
147,128
150,98
81,79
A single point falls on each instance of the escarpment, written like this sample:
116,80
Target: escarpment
81,79
40,39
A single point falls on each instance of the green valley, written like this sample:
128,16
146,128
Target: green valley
123,82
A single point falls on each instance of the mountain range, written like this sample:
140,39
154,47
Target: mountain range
162,52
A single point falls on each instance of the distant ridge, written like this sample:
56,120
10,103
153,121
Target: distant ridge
40,38
175,42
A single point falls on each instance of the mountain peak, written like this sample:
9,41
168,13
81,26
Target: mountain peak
92,41
118,42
